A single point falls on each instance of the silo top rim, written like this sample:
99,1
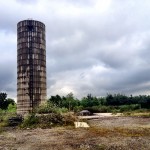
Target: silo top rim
30,19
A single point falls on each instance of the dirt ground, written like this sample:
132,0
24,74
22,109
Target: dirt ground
110,133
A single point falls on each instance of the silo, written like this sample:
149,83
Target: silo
31,65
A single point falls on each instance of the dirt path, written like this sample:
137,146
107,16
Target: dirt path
99,115
118,121
110,133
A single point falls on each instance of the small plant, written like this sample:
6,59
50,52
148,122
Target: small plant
5,115
12,108
45,108
69,119
30,121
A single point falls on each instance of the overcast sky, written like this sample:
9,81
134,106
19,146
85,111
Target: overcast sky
93,46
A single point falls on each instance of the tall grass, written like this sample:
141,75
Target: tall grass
47,120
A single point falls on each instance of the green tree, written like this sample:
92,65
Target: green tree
70,101
3,97
56,100
116,99
90,101
12,108
4,102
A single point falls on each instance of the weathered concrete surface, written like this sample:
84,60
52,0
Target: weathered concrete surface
81,125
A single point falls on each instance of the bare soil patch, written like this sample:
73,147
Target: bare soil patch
110,133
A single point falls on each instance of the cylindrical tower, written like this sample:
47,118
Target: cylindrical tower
31,65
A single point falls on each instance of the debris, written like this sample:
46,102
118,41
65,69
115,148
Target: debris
14,121
81,125
84,113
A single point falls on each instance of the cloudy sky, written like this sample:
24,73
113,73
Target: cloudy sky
93,46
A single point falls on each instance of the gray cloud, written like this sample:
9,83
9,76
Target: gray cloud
92,46
28,2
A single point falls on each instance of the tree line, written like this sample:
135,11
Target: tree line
111,102
101,104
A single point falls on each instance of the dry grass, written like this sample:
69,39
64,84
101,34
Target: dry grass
137,114
118,131
105,134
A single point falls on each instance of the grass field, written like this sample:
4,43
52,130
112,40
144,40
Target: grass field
105,133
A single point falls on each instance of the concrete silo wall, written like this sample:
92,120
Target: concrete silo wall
31,65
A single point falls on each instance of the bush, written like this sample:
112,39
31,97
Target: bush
56,119
47,120
132,107
5,116
2,114
104,109
12,108
99,109
49,108
115,111
69,119
78,108
45,108
61,110
142,110
30,121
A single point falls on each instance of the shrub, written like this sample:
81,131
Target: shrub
12,108
132,107
30,121
2,114
47,120
45,108
78,108
115,111
69,119
104,109
5,116
99,109
61,110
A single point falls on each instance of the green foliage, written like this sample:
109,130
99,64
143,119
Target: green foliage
30,121
45,108
116,99
132,107
3,97
111,103
12,108
47,116
99,109
56,100
4,117
119,99
104,109
50,108
68,102
47,120
78,108
4,102
61,110
90,101
6,114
